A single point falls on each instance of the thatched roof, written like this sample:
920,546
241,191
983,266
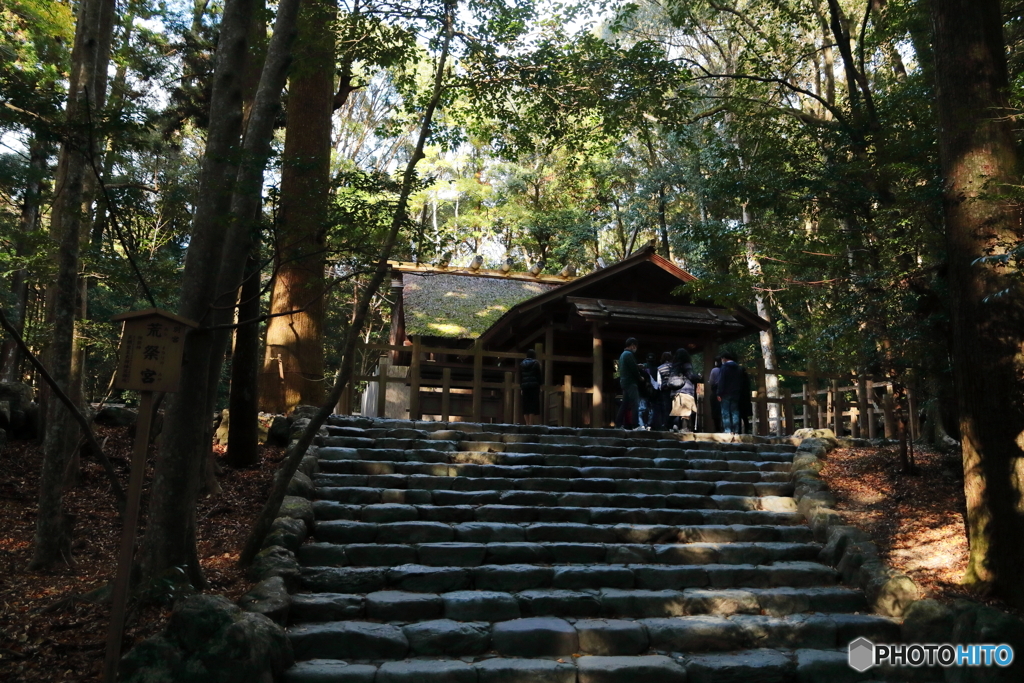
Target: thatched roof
461,306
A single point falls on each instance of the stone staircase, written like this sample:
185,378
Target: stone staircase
465,553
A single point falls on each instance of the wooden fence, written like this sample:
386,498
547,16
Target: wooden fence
474,385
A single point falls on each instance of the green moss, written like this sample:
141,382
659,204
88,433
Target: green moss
459,306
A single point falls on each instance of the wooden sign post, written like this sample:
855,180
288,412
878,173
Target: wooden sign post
148,361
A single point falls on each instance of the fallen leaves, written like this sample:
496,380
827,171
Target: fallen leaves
48,630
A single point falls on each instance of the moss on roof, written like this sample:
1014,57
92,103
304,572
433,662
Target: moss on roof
460,306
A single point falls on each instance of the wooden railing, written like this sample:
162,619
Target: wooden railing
427,389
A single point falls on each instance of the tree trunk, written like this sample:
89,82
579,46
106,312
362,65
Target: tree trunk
979,163
11,356
266,517
89,60
305,192
766,338
244,404
170,527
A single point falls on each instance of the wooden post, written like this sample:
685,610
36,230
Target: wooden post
710,351
506,402
478,379
888,418
597,409
566,420
789,414
446,394
414,382
517,397
762,397
839,406
382,386
861,429
127,552
813,414
915,427
547,391
872,418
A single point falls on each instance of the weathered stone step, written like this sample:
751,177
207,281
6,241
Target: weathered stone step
591,485
660,449
515,578
586,669
547,636
347,461
677,501
553,485
573,577
459,514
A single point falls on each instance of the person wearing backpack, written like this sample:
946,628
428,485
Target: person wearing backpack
682,382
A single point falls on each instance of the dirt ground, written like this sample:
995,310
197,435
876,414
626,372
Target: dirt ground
917,521
47,631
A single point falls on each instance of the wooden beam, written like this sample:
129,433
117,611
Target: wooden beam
478,378
446,394
566,420
506,399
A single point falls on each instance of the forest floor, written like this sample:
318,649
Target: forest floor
916,520
48,632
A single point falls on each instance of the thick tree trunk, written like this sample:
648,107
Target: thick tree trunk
979,163
266,517
39,152
185,443
170,527
90,57
244,403
766,338
305,192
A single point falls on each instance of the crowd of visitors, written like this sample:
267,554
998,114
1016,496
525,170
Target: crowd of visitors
662,395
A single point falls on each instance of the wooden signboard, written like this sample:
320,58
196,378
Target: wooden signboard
148,361
149,358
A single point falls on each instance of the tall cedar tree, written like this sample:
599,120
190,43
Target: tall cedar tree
86,93
293,367
979,164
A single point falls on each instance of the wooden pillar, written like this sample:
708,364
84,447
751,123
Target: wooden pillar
414,382
446,394
382,386
710,351
517,396
566,416
547,391
507,400
839,406
478,379
915,427
889,420
872,418
762,397
597,410
811,412
860,427
789,414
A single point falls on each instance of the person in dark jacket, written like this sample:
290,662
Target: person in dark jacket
629,380
730,392
530,377
716,407
683,383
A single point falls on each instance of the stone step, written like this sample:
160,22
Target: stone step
590,485
418,578
501,567
347,461
548,636
415,532
459,514
678,501
553,485
659,450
